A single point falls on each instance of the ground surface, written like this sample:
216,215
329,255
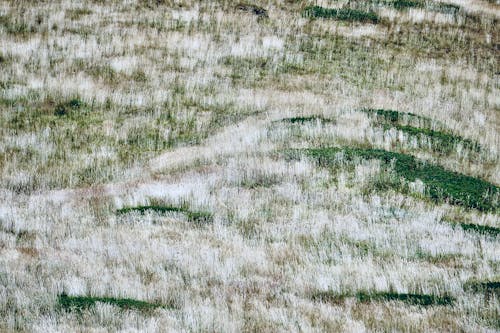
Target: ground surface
212,166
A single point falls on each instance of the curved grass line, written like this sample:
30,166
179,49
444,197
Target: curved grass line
442,141
394,116
441,184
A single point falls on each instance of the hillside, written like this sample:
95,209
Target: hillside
264,166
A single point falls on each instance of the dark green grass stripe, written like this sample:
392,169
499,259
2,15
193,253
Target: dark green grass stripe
79,303
442,141
441,184
365,297
392,116
194,216
151,208
307,119
343,14
481,229
483,286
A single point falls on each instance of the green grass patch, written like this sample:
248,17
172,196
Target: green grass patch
254,9
65,108
79,303
442,141
393,117
442,7
366,297
307,119
480,229
483,286
16,27
440,184
198,217
342,14
77,13
403,4
445,8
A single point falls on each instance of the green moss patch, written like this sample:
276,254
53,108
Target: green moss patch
366,297
342,14
198,217
79,303
440,184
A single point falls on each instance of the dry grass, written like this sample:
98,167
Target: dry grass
109,105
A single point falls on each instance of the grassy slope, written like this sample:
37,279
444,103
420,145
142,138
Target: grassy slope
111,111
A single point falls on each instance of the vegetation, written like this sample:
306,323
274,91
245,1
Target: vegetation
199,217
395,117
254,9
483,286
412,299
79,303
307,119
65,108
401,4
343,14
441,141
440,184
107,104
481,229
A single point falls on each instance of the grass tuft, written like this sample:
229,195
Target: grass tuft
343,14
65,108
254,9
365,297
79,303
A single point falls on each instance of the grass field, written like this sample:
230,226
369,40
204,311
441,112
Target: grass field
259,166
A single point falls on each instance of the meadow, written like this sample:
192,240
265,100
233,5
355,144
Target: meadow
259,166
